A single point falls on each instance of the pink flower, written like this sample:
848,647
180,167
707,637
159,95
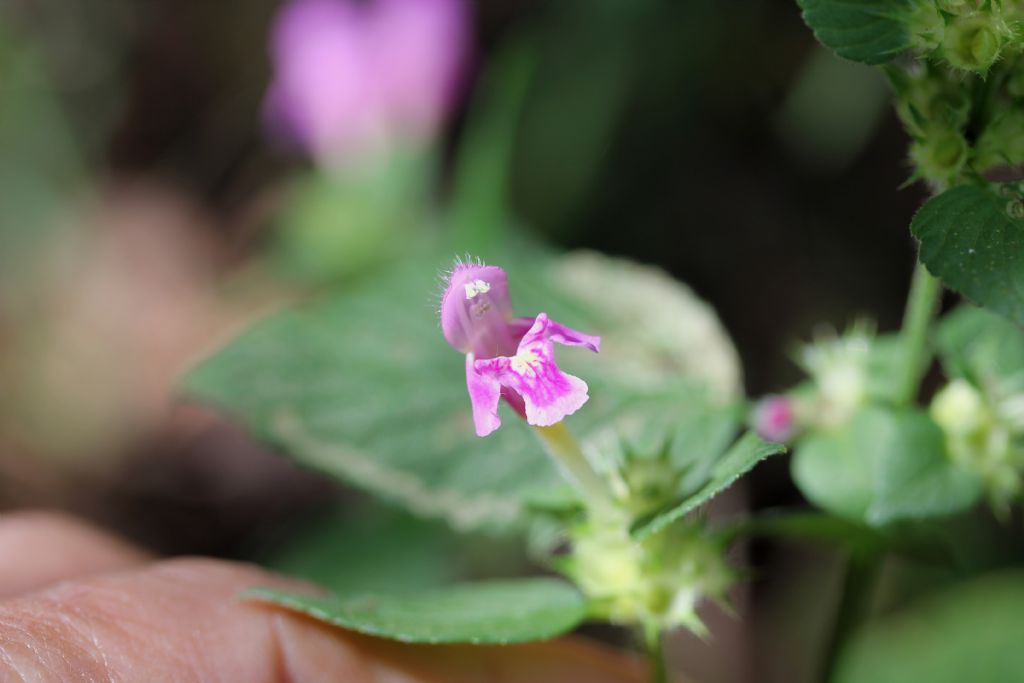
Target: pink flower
352,79
775,418
508,357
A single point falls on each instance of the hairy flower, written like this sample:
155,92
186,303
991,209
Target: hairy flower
506,356
352,79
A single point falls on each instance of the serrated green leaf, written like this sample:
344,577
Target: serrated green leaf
980,346
881,467
363,386
970,633
739,460
971,243
492,612
867,31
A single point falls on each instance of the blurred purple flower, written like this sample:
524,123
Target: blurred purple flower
506,357
775,418
353,79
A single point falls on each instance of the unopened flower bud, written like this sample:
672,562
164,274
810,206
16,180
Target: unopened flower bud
959,409
774,418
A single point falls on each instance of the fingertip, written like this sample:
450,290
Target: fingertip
39,548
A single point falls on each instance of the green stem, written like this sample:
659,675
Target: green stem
922,304
854,606
567,454
654,645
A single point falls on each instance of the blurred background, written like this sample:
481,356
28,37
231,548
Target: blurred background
169,171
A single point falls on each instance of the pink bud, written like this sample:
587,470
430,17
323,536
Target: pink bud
775,418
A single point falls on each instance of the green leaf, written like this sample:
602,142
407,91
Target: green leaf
367,549
739,460
881,467
970,633
363,386
971,243
980,346
492,612
867,31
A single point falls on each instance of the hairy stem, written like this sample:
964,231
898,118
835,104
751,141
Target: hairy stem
922,304
567,454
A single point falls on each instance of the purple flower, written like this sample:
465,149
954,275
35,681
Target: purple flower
352,79
775,418
508,357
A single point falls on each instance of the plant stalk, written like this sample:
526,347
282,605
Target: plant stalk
566,452
655,648
922,305
862,572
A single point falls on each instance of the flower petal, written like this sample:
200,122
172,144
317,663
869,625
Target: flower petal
476,309
546,328
484,393
567,336
548,393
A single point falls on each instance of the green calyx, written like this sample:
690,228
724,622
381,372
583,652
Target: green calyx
654,583
973,42
1002,141
941,154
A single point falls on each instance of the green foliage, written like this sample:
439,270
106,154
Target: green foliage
976,345
362,385
739,460
338,226
867,31
40,165
972,238
372,549
970,633
493,612
881,467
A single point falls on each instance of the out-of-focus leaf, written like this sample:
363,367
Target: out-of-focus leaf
363,386
368,550
881,467
740,459
493,612
981,346
971,242
39,161
969,633
867,31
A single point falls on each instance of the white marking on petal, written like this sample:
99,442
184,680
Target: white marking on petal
524,362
